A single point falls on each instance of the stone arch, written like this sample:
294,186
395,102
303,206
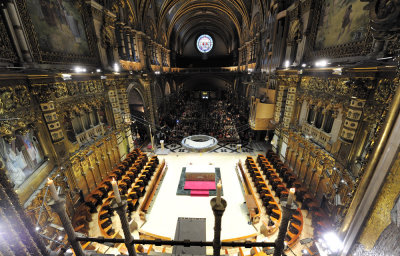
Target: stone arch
139,109
173,85
167,90
158,93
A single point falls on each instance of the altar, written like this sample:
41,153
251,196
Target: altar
200,173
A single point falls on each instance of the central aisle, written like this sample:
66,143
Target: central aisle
168,206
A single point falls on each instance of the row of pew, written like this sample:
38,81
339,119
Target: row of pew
133,178
271,206
281,190
132,174
83,213
320,219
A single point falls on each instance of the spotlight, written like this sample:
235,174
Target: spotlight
116,67
98,70
79,69
37,228
287,64
333,242
157,72
321,63
304,65
337,71
66,77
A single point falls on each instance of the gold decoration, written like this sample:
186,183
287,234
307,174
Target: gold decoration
380,215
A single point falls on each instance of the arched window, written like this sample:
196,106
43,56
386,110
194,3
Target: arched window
319,118
76,123
329,121
311,115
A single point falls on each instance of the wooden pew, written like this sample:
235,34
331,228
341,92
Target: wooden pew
153,187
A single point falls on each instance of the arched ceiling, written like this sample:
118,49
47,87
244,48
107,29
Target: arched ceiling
183,19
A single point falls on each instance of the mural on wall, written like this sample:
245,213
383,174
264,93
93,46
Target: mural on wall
21,156
341,22
59,26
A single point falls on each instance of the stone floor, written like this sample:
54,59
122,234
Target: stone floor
167,206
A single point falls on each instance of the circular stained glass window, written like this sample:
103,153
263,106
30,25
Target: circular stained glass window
204,43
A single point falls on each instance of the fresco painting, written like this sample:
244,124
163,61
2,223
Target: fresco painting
341,22
59,26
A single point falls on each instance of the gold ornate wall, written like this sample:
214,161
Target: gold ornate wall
331,163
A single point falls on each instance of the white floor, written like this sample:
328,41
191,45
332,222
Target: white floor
167,206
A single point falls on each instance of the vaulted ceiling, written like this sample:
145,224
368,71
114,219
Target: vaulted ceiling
179,20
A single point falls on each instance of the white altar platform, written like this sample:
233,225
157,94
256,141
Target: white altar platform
168,206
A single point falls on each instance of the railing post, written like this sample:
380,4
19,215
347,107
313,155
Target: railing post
218,210
121,210
59,207
287,212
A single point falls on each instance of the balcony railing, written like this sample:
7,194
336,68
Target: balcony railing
205,70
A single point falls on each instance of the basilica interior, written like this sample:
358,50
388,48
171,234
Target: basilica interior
263,127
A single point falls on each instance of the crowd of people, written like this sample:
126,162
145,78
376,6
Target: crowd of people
222,118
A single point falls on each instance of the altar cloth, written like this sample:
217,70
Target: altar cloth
200,185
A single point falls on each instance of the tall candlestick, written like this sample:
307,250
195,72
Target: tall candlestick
290,197
219,190
116,191
53,190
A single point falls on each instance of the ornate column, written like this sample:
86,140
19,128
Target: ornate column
83,173
121,41
290,103
142,54
280,101
116,109
134,49
128,44
18,29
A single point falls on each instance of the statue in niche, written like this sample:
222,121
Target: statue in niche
14,161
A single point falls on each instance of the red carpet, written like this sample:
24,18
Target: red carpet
199,193
200,185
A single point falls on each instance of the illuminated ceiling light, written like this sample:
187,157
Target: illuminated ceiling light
60,238
337,71
98,70
37,228
116,67
304,65
79,69
287,64
385,58
321,63
333,242
66,76
157,72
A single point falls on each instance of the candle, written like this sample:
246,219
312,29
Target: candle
116,191
290,198
53,190
219,189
